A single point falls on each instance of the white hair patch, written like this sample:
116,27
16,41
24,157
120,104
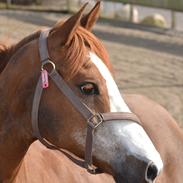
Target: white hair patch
117,104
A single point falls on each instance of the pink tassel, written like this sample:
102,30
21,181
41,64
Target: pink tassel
44,76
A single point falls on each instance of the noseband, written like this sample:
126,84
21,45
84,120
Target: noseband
93,120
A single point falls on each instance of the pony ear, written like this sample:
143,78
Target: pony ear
65,31
90,19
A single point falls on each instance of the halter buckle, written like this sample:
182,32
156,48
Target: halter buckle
91,169
95,120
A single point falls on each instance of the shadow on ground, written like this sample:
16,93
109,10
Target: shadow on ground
175,49
142,42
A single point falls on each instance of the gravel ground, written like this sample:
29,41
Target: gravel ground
145,62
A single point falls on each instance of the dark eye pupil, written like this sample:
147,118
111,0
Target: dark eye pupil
89,89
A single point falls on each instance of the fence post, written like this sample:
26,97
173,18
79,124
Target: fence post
8,3
38,2
173,19
131,13
68,5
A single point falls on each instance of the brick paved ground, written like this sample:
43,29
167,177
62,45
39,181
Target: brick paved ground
145,62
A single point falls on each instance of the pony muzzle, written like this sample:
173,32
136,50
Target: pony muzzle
127,151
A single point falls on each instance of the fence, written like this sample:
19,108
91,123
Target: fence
43,5
172,5
25,2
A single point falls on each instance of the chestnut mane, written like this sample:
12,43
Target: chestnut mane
76,51
75,54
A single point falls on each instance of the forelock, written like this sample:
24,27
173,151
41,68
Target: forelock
77,50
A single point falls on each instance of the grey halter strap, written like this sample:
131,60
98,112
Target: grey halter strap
93,120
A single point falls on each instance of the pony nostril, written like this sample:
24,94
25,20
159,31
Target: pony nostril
151,172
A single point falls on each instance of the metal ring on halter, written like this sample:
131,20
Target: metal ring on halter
95,120
48,62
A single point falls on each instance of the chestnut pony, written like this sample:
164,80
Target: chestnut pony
124,150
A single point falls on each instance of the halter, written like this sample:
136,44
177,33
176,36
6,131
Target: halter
93,120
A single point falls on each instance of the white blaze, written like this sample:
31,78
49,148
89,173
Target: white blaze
117,103
139,142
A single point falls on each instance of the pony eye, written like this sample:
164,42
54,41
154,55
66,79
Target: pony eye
89,89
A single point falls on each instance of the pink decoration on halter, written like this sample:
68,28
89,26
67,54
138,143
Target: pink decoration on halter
44,76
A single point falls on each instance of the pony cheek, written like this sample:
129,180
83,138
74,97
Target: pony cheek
50,125
65,130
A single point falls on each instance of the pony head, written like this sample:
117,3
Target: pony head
121,147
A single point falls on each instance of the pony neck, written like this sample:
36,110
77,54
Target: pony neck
6,52
15,123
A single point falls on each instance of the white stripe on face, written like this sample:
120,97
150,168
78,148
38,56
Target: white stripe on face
117,103
139,142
